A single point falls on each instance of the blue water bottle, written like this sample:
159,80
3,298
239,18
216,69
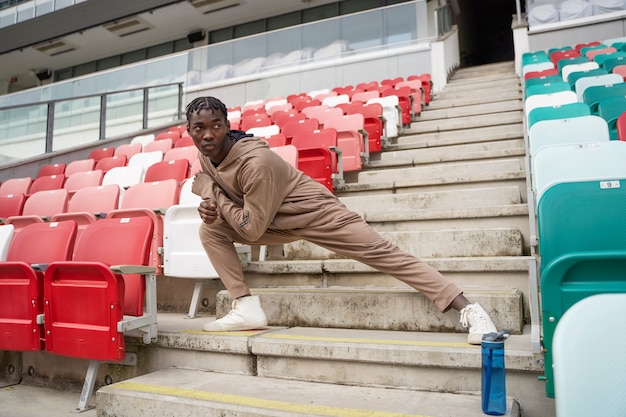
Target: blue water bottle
493,373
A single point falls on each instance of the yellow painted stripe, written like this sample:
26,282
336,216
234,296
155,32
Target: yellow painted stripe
240,333
256,402
365,340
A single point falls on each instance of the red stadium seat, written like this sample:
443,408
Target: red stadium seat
21,285
51,169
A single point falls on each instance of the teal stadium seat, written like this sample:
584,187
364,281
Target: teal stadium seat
574,76
610,108
581,229
542,80
561,112
546,88
600,59
585,66
594,94
570,61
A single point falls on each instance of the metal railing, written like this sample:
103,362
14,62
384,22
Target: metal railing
56,124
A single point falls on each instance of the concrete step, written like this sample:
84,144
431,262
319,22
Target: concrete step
437,153
442,172
472,109
482,241
186,392
404,203
462,98
487,86
376,308
486,70
412,139
467,122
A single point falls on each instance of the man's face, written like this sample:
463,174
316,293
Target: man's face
208,130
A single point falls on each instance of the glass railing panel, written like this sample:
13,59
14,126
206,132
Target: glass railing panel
23,132
76,122
162,105
124,112
541,12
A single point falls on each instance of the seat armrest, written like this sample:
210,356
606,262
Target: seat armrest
133,269
39,267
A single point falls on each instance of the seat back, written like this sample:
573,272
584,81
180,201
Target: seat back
6,235
51,169
585,367
79,165
83,179
84,300
105,164
162,145
130,149
583,129
145,159
350,140
101,153
150,199
593,94
289,153
49,182
564,111
585,82
11,205
16,186
39,207
21,287
579,261
190,153
177,169
295,127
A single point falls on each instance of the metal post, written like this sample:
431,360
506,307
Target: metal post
180,101
103,116
49,127
145,108
518,8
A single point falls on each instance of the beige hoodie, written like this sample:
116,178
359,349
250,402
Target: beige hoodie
255,189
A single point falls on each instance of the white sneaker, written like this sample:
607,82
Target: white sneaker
246,314
478,321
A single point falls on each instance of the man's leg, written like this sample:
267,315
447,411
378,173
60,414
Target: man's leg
217,239
344,232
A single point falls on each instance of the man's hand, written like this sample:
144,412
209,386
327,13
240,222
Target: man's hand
208,211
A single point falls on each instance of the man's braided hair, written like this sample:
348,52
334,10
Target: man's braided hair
205,103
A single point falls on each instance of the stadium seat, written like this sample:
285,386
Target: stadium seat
365,95
177,169
584,67
564,111
16,186
585,82
289,153
21,282
49,182
124,177
173,135
405,103
543,73
79,165
582,129
105,164
6,236
332,101
11,205
195,167
585,368
140,140
188,153
264,131
51,169
351,139
98,154
323,113
374,123
90,204
184,141
183,253
547,88
392,114
549,100
594,94
574,76
92,300
282,118
610,109
319,157
145,159
149,199
580,261
295,127
258,120
128,149
82,179
162,145
598,161
40,207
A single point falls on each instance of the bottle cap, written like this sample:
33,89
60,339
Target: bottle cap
496,338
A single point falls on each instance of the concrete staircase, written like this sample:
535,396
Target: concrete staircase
346,340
